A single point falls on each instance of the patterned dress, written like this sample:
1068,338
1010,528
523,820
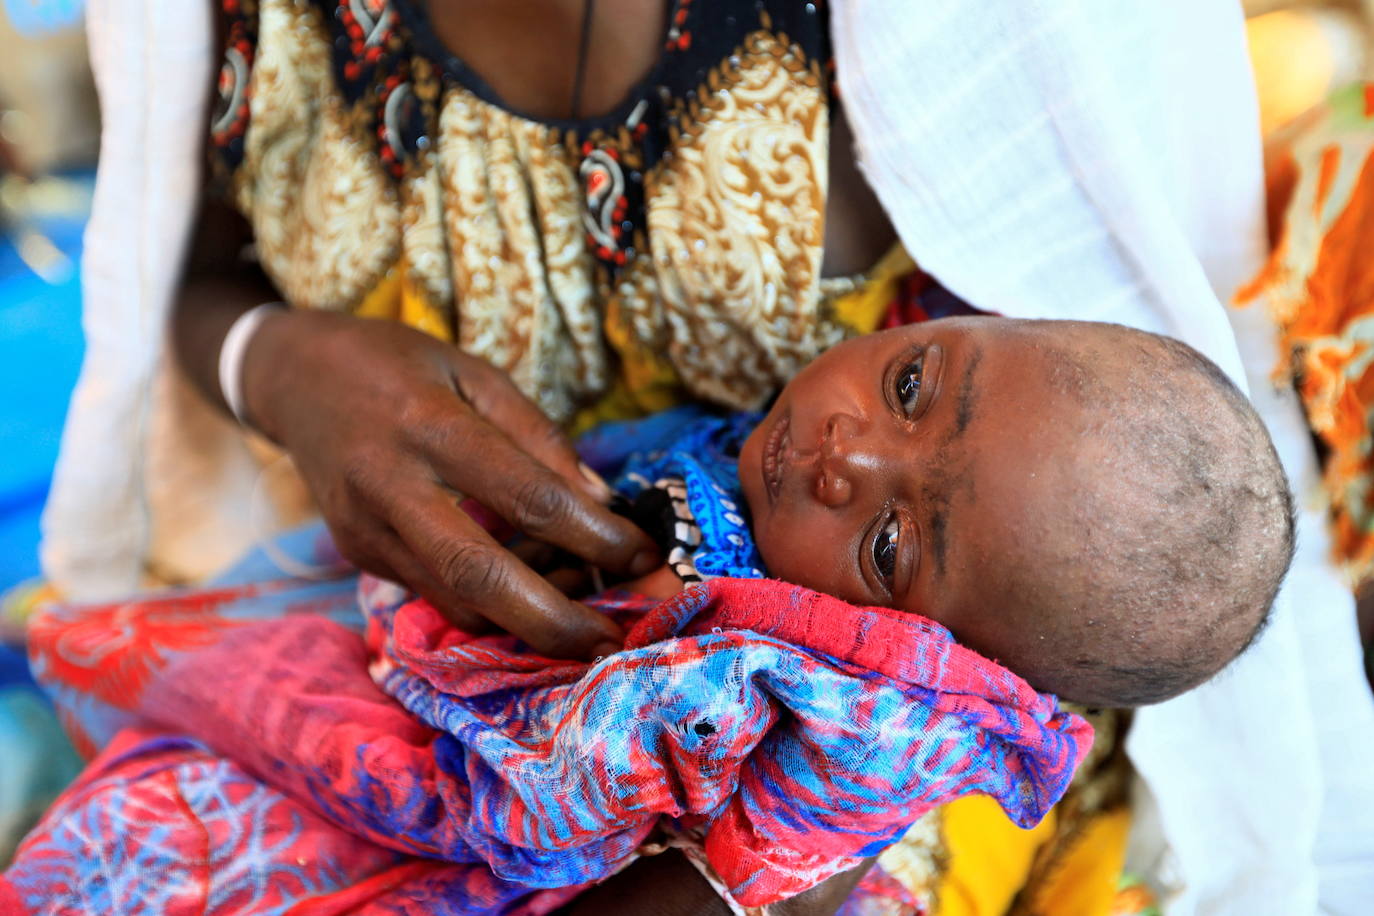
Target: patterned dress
671,247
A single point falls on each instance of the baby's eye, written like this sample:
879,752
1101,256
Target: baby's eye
885,550
908,385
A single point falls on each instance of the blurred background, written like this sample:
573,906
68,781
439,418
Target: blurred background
49,138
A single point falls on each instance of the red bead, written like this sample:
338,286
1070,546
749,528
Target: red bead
684,41
374,54
351,70
392,82
617,214
231,6
355,31
603,252
681,16
586,147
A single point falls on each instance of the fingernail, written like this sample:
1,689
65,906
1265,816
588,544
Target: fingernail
603,649
645,562
596,480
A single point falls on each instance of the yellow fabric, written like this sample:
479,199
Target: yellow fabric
861,310
395,298
1082,878
990,858
991,861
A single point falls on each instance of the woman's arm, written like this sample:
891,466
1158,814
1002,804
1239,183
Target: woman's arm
386,426
668,885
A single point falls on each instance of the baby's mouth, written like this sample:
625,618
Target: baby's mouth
772,458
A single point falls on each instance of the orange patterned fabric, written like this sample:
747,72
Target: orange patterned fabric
1319,285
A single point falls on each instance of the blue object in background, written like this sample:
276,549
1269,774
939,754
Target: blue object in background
40,355
34,17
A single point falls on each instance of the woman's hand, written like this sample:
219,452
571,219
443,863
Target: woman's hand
389,426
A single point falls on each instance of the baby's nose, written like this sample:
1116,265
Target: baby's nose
842,460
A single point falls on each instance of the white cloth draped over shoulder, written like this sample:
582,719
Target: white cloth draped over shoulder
1042,158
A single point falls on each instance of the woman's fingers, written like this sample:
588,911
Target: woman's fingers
498,401
377,550
481,577
369,412
475,458
411,573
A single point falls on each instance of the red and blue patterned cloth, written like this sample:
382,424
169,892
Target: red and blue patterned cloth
262,755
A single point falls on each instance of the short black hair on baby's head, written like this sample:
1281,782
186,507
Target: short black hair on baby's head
1184,527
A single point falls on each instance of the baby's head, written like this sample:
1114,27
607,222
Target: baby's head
1098,508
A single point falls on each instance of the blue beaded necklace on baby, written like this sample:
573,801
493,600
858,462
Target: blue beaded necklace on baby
680,481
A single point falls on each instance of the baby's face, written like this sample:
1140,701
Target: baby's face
928,468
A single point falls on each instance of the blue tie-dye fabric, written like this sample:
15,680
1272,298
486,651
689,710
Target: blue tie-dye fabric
704,454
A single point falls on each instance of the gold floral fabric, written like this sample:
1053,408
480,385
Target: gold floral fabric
669,249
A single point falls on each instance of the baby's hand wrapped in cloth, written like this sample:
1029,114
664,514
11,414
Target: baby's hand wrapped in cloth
797,732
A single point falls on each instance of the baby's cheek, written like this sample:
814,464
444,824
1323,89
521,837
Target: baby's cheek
803,555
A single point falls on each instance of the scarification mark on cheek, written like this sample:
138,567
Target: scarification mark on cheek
966,401
938,527
943,486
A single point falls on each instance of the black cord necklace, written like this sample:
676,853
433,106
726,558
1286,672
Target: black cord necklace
583,45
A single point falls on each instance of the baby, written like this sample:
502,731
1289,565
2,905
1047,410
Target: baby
1097,508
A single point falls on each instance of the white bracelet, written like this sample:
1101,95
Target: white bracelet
232,351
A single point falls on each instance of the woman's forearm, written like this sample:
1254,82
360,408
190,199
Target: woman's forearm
218,287
662,885
668,885
206,308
